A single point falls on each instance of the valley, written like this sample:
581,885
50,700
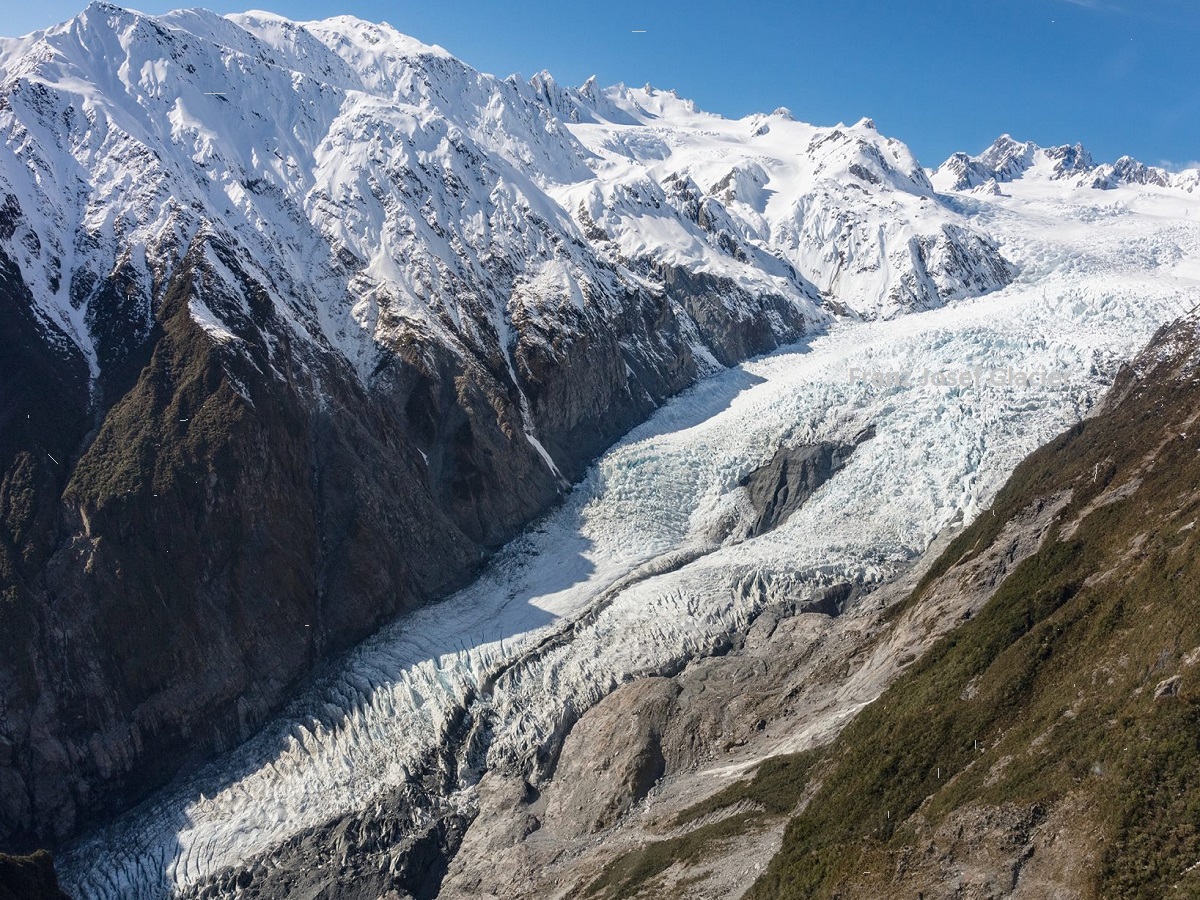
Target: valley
417,483
626,582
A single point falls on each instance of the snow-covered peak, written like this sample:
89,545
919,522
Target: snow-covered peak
379,183
844,207
1128,170
1008,156
336,153
648,104
1008,159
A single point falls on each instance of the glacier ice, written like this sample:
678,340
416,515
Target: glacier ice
625,574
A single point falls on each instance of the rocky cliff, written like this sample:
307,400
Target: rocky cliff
300,322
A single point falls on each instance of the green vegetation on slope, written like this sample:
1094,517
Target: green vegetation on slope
1050,690
1048,699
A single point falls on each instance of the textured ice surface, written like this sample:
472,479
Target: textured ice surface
628,561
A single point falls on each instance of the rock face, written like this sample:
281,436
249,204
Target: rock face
263,388
792,476
612,759
29,878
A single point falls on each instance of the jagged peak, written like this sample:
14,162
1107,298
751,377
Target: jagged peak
1008,147
100,13
543,84
1070,158
651,101
106,8
1008,159
1007,150
1006,140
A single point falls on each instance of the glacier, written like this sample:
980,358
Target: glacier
629,576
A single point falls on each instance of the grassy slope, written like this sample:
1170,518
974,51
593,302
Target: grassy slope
1047,694
1060,669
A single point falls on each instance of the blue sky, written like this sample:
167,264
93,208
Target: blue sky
941,75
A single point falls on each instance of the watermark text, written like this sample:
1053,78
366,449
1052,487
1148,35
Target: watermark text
975,377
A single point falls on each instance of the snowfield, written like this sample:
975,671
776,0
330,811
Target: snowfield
627,572
383,187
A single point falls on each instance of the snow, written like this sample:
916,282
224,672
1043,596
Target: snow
627,571
1008,160
393,187
205,318
842,205
372,183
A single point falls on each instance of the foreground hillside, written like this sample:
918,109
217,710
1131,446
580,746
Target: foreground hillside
1044,745
1047,746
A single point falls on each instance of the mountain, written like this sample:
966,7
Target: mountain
1009,160
722,590
302,322
414,482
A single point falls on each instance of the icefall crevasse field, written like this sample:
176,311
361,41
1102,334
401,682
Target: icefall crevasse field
1097,277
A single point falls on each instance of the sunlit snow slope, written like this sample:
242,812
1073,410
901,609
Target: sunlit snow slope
626,573
381,185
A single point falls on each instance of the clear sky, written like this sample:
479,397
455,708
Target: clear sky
941,75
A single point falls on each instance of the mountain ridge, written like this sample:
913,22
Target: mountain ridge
320,349
1007,159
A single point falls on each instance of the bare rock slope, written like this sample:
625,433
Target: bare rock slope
1008,719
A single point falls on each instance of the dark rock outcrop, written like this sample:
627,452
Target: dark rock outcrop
398,851
785,483
29,878
181,547
733,324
